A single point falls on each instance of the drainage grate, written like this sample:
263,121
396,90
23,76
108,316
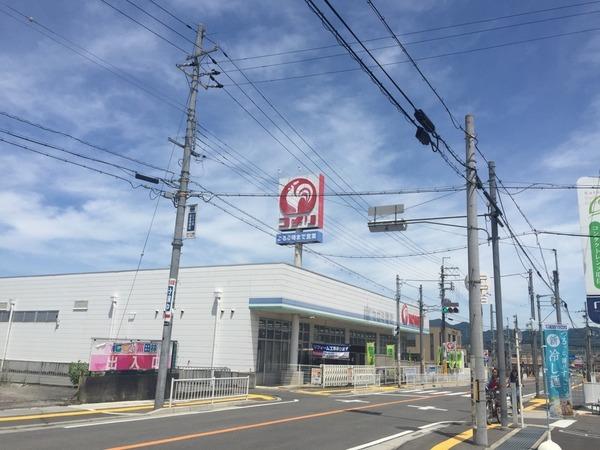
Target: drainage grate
525,438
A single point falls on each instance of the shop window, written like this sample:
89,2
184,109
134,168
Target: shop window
329,335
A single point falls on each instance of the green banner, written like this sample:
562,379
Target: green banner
390,350
370,354
595,249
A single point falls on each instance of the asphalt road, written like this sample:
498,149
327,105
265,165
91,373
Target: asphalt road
298,421
417,420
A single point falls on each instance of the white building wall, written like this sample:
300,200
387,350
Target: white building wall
140,317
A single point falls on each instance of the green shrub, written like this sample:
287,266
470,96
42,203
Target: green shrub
77,370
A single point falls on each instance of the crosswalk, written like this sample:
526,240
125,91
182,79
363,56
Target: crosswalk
433,392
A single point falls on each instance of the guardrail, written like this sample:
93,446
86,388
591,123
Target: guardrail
194,389
456,379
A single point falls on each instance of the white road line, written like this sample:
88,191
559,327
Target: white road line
467,395
460,393
433,391
443,392
406,435
382,440
188,413
563,423
427,408
410,390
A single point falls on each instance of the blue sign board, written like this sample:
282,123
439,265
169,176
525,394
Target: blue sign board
300,237
593,308
556,366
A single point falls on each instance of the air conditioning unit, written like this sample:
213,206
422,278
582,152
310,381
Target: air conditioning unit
4,306
80,305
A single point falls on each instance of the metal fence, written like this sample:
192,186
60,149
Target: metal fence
194,389
203,372
453,379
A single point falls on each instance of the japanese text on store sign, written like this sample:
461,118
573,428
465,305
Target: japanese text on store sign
123,355
556,359
301,203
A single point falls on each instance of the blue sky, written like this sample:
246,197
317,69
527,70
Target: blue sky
536,108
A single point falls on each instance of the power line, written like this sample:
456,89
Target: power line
172,15
82,141
428,30
158,35
431,57
93,169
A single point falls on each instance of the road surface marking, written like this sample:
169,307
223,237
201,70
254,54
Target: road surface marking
563,423
459,393
466,395
188,413
432,391
427,408
148,406
461,437
535,403
186,437
421,431
352,401
382,440
444,392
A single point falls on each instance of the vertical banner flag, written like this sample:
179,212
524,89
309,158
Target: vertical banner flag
589,217
390,350
556,364
370,354
190,221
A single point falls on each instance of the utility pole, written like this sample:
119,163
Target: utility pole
541,336
493,349
557,299
474,281
298,254
421,365
501,357
181,198
509,355
442,297
588,346
398,349
534,343
520,387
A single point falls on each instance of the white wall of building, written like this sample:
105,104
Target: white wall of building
141,316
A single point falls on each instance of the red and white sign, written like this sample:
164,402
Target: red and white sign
301,202
450,346
408,318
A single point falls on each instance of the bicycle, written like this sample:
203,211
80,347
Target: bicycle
493,405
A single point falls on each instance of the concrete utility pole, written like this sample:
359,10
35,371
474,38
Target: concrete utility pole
520,387
557,299
492,338
398,349
588,346
501,357
421,365
509,339
541,336
442,297
534,343
181,198
298,255
474,281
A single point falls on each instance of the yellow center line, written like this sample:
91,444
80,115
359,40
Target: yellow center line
535,403
461,437
186,437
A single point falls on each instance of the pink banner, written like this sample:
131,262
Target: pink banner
124,355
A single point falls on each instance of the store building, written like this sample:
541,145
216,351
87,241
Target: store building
257,317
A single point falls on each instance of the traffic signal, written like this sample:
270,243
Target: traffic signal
449,309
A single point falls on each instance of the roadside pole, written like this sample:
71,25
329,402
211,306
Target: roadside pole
557,299
11,310
501,357
541,339
534,337
421,365
181,199
588,346
398,350
520,387
474,281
